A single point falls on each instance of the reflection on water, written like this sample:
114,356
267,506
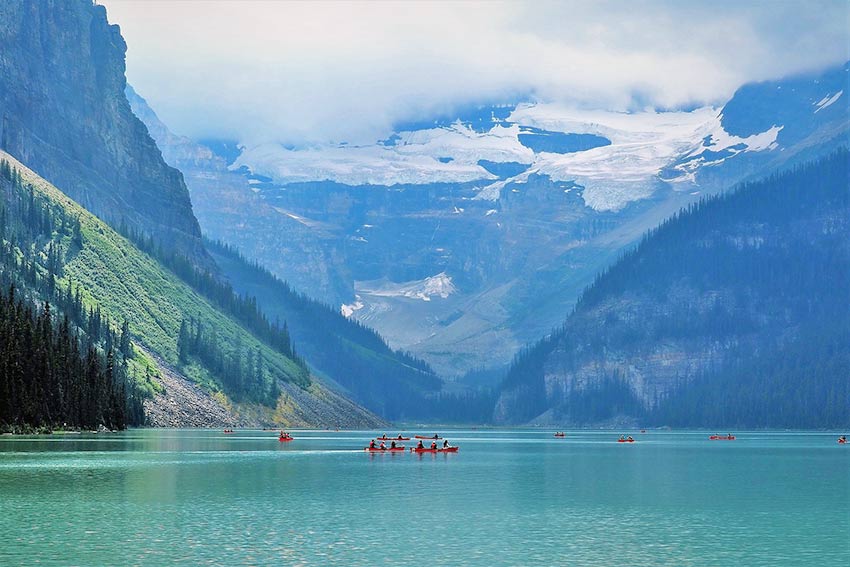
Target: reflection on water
509,497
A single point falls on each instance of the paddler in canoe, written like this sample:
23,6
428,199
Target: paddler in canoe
371,444
446,444
420,445
383,446
434,445
392,445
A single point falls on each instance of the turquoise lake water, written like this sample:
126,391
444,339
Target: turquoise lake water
509,497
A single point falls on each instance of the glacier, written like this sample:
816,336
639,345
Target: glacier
645,147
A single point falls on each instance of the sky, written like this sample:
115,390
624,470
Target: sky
319,72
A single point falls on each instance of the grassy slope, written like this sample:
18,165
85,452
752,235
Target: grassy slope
128,284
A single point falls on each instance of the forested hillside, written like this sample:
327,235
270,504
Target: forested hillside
110,278
61,363
735,312
392,383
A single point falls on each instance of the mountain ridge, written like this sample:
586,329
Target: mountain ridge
63,112
519,242
740,299
126,284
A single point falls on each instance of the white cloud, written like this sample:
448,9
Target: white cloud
302,72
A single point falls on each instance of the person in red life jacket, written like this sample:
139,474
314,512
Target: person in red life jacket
372,444
383,446
420,445
433,444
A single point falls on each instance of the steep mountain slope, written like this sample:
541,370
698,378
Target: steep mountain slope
512,209
392,384
356,358
109,272
735,312
63,112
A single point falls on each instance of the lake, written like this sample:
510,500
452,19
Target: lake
508,497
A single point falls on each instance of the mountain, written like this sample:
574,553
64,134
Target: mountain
733,313
200,360
464,237
63,112
352,356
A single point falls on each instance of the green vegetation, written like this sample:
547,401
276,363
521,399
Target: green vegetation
47,379
111,276
61,364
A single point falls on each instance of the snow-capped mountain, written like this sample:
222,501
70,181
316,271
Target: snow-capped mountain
613,158
506,211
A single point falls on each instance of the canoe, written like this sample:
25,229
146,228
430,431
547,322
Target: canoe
722,438
285,439
387,450
560,435
842,442
392,438
429,450
423,437
625,440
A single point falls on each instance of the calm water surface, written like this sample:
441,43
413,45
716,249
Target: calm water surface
509,497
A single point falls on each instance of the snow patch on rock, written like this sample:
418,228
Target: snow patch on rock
439,285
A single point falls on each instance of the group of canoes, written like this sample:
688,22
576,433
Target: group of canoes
379,445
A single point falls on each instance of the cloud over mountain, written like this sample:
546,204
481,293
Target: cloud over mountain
299,72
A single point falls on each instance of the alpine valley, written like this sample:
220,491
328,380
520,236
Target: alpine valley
511,263
462,238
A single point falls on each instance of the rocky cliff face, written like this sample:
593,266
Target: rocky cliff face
64,113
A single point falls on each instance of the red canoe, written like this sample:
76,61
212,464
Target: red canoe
393,438
842,442
285,439
429,450
423,437
722,437
625,440
388,449
560,435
